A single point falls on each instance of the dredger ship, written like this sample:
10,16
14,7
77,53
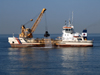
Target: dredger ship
69,38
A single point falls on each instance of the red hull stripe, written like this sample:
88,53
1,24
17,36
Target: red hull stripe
18,41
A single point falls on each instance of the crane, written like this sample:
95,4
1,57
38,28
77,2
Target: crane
26,32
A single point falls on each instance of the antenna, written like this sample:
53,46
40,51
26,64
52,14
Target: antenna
65,22
69,14
72,17
13,34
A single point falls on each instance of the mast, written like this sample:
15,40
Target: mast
65,22
72,17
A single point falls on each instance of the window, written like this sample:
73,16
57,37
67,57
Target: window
79,39
66,29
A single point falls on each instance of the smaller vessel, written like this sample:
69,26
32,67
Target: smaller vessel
70,38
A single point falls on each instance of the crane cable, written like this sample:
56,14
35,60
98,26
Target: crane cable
46,27
29,20
92,25
32,18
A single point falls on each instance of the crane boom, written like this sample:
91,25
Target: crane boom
37,21
26,32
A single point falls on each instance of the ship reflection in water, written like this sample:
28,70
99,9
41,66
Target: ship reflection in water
55,61
75,60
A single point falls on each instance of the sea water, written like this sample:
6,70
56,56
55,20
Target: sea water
49,61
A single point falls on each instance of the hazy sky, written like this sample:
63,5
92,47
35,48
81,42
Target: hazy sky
14,13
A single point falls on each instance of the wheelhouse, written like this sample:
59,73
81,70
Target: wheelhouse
68,29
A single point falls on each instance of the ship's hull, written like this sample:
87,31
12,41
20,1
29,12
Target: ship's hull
64,45
75,44
54,45
20,43
26,45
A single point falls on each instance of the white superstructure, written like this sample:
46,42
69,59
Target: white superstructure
72,38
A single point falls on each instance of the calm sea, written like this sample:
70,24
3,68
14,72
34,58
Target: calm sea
49,61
